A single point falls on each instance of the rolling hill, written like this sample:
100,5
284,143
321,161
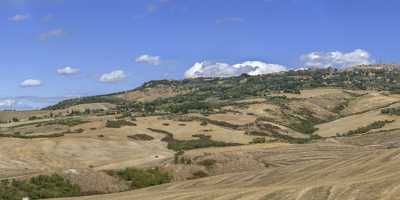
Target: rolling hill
311,134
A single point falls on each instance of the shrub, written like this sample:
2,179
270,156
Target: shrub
141,178
119,124
258,140
278,100
142,137
31,118
39,187
66,122
304,126
208,163
199,174
391,111
18,135
203,123
180,145
196,144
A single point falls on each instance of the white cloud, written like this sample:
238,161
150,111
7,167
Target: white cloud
210,69
336,59
229,20
68,71
19,18
7,102
148,59
31,83
52,34
28,102
113,76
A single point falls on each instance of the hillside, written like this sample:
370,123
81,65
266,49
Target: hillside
313,134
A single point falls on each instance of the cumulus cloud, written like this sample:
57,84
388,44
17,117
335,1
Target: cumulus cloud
52,34
19,18
68,71
336,59
7,102
112,77
28,102
148,59
31,83
212,69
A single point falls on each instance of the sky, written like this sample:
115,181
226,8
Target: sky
56,49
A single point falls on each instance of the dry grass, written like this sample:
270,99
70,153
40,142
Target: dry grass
150,94
370,101
92,106
234,118
296,172
186,130
361,167
314,93
346,124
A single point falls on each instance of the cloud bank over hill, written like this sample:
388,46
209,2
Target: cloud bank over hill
219,69
336,59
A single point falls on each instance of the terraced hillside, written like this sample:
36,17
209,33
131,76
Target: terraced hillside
316,134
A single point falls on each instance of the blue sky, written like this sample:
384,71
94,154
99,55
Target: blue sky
64,48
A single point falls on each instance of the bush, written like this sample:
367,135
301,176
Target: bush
258,140
142,137
208,163
18,135
199,174
278,100
119,124
31,118
391,111
203,123
304,126
141,178
66,122
39,187
203,142
80,130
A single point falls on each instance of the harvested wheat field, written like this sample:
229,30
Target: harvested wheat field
325,171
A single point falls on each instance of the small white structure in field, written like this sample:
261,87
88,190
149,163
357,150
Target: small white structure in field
25,198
